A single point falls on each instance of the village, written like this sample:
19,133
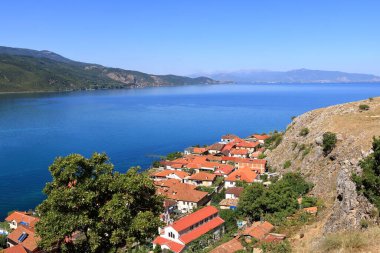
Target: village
196,185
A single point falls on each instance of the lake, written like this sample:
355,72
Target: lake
136,126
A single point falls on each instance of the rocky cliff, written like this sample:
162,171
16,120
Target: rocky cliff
331,174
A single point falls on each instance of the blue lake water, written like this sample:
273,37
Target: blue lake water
135,126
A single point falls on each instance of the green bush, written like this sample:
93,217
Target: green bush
274,140
364,107
304,131
309,201
368,182
173,156
329,142
364,223
287,164
276,247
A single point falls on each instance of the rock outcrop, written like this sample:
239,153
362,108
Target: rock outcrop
331,174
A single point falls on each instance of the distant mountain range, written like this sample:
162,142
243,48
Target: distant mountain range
31,70
293,76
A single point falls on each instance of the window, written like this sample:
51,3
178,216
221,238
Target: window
171,235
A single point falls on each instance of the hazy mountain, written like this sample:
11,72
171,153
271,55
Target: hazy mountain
31,70
293,76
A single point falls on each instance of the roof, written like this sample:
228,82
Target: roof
225,169
259,230
193,218
201,230
247,144
183,192
202,176
229,136
229,247
216,146
30,242
235,191
238,151
229,202
174,246
165,173
245,175
15,249
260,136
271,237
22,217
199,150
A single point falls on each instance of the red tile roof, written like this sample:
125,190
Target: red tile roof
229,247
216,146
30,243
260,136
224,169
201,230
15,249
245,175
174,246
311,210
259,230
229,136
235,191
247,144
238,152
165,173
199,150
202,176
193,218
22,217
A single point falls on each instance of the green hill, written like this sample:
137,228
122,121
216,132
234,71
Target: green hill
30,70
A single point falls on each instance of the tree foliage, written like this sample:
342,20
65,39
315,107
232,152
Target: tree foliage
103,208
173,156
369,181
280,198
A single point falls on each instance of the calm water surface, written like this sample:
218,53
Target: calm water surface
135,126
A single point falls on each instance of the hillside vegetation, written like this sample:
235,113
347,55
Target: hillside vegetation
328,153
30,70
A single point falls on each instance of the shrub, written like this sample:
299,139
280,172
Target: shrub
304,131
329,142
364,223
262,156
331,242
364,107
309,201
370,99
368,183
274,140
276,247
287,164
293,117
306,152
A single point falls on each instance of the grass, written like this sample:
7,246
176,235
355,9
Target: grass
352,241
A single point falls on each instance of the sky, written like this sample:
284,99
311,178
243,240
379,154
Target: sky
200,36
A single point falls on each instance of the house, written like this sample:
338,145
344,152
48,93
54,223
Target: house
177,236
224,170
194,151
21,218
258,230
185,195
250,146
24,236
243,175
258,165
215,148
169,174
231,246
228,203
242,153
234,192
228,138
169,207
201,179
260,137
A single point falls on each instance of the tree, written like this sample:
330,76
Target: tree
104,208
251,202
173,156
329,142
369,182
364,107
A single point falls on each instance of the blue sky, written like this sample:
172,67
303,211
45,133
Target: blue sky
184,37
